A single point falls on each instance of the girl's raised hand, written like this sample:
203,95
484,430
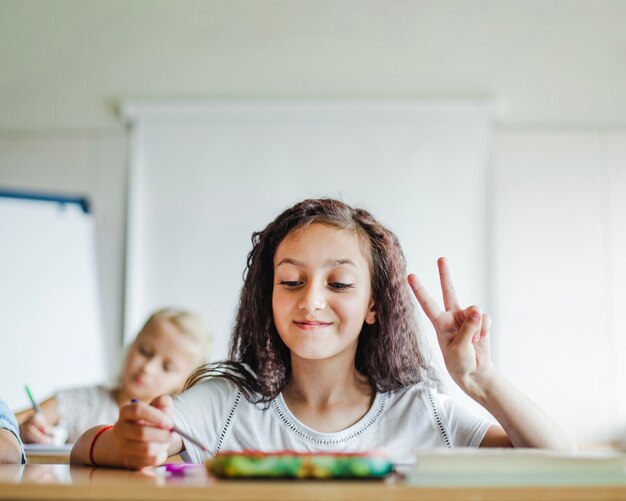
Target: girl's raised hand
463,334
142,434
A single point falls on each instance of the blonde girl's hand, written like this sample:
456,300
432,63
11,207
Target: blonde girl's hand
35,430
142,434
463,333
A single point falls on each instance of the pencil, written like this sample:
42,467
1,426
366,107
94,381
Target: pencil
32,400
36,407
193,440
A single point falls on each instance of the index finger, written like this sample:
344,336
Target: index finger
40,422
428,304
450,301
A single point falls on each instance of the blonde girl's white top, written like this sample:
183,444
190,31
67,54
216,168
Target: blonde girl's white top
82,408
398,422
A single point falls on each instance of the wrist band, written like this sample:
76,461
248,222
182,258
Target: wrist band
93,442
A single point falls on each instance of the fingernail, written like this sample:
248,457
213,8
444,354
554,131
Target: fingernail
474,315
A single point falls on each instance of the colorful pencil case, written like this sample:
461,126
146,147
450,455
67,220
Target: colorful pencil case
290,464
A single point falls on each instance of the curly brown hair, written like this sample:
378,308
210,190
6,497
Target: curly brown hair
389,352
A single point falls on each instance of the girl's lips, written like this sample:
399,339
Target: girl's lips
310,324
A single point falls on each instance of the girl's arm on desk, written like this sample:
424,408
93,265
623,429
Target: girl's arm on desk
141,437
463,336
10,450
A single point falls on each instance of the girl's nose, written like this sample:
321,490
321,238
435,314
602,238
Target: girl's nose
149,365
312,299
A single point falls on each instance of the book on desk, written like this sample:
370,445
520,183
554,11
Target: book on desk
48,453
498,467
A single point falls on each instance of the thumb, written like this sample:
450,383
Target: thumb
471,326
164,402
165,405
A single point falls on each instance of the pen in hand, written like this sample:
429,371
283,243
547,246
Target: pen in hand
183,434
191,439
37,409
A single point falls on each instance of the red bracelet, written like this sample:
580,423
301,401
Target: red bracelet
93,442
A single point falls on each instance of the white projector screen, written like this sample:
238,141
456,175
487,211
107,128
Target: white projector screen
204,177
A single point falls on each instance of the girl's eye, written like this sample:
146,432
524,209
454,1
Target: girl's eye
290,284
144,351
167,368
340,286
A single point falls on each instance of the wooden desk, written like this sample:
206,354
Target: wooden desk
47,454
62,455
42,458
47,482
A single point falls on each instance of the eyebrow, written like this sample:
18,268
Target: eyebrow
331,263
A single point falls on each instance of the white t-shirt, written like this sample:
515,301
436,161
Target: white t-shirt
81,408
398,422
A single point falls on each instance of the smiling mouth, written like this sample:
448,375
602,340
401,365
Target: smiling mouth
310,324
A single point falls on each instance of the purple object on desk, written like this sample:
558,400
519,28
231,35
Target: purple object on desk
179,469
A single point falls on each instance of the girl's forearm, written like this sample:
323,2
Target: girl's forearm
104,450
111,450
523,421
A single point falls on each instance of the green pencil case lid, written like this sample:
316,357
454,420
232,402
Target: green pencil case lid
290,464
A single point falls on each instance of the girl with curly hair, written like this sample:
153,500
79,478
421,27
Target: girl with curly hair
326,356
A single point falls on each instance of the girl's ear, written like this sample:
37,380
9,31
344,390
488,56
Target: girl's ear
370,317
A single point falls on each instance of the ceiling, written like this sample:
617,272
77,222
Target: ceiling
68,64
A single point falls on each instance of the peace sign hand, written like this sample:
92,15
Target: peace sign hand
463,334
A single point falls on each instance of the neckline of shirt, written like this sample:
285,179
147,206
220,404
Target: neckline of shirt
361,426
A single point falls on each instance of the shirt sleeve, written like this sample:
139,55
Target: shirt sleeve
8,422
464,428
202,412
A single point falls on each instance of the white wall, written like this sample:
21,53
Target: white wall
616,227
560,273
90,164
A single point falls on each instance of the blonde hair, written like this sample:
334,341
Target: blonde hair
189,324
